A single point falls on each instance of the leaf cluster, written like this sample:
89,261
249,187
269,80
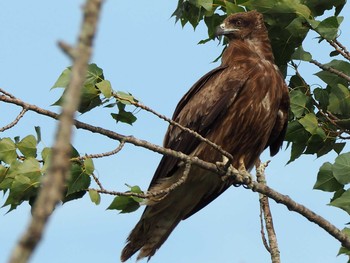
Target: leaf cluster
97,91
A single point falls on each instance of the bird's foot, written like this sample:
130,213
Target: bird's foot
223,165
246,176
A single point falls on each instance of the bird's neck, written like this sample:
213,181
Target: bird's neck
249,48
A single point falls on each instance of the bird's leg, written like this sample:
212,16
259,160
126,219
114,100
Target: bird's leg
243,171
223,165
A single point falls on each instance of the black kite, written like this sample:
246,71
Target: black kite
242,105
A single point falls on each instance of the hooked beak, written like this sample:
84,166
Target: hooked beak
222,30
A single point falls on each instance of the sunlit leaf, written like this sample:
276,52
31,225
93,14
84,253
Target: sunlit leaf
95,196
7,151
27,146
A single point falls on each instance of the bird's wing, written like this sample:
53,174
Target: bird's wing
199,113
279,130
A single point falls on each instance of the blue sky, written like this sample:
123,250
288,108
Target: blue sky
143,52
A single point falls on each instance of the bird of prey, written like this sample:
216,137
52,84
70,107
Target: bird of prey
242,106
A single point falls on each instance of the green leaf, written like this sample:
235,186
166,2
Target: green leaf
7,151
325,179
341,168
46,156
89,166
30,168
296,152
64,79
328,28
126,204
94,75
27,146
339,100
206,4
78,181
233,8
296,133
90,98
343,250
105,87
342,201
10,175
322,96
95,196
38,134
301,54
332,79
136,189
125,98
25,183
124,116
338,147
3,172
343,123
309,122
298,102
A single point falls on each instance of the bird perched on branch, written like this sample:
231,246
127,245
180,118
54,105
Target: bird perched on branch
242,106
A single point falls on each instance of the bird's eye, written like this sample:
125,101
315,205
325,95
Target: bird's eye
237,22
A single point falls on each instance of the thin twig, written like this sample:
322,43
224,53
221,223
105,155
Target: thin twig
176,124
7,93
339,48
97,182
101,155
153,195
267,215
15,121
330,69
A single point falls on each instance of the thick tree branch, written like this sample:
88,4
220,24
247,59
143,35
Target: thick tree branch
53,184
257,187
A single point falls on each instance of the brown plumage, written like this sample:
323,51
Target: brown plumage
242,105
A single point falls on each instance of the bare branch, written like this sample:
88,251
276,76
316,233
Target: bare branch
10,125
267,216
339,48
304,211
6,93
53,183
330,69
100,155
174,123
257,187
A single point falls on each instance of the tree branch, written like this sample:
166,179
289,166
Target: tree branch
339,48
257,187
10,125
267,215
330,69
176,124
53,184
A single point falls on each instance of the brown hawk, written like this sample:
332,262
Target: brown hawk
242,106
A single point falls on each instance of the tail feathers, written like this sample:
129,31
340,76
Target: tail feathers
148,236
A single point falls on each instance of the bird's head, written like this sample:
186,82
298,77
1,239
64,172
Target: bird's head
241,25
